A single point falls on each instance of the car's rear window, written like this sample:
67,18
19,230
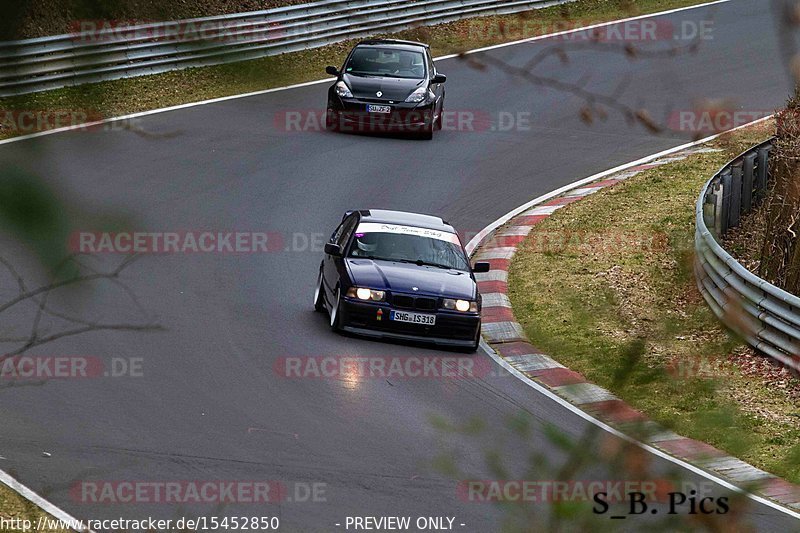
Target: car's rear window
387,62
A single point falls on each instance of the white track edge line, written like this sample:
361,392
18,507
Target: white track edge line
324,80
475,242
39,501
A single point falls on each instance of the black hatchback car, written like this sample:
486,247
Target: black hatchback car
400,275
387,86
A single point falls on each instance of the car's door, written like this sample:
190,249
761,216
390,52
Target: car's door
333,265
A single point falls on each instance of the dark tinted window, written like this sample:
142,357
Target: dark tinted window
386,62
395,244
346,229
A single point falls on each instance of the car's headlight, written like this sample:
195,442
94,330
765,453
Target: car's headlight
342,90
460,305
419,95
363,293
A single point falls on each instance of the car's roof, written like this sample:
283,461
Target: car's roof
393,43
409,219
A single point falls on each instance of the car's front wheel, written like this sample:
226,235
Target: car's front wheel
474,347
319,300
427,130
331,120
335,311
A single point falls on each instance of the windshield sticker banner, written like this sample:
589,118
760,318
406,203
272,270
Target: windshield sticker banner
374,227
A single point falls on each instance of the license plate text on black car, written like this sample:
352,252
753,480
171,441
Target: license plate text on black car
413,318
379,109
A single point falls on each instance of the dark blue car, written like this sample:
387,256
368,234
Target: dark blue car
400,275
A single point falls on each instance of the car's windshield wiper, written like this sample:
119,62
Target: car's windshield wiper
420,262
372,257
366,75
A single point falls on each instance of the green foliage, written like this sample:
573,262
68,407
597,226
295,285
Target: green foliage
31,212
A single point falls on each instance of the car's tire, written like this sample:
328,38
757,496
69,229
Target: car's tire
441,118
475,345
319,297
335,311
427,132
331,120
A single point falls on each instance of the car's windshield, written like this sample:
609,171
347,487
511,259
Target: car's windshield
410,244
386,62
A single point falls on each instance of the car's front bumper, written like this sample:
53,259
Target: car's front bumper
451,329
352,115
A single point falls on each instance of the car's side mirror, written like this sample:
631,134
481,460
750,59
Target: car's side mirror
439,78
333,71
332,248
480,267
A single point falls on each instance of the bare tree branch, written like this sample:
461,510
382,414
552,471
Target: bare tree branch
40,297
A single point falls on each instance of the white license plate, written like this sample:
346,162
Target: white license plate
379,109
413,318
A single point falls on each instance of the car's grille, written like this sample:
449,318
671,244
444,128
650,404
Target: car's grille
425,304
375,100
406,302
410,302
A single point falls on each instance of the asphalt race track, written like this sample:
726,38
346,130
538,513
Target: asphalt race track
209,404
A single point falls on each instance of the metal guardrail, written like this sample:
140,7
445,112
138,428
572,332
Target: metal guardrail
45,63
767,317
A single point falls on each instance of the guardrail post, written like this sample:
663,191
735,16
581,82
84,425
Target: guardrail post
762,171
748,166
725,215
718,210
710,207
735,211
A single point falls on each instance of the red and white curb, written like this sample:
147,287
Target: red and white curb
506,339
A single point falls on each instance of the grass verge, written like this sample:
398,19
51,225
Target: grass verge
616,300
14,510
120,97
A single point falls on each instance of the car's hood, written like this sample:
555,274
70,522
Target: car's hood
401,277
394,89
